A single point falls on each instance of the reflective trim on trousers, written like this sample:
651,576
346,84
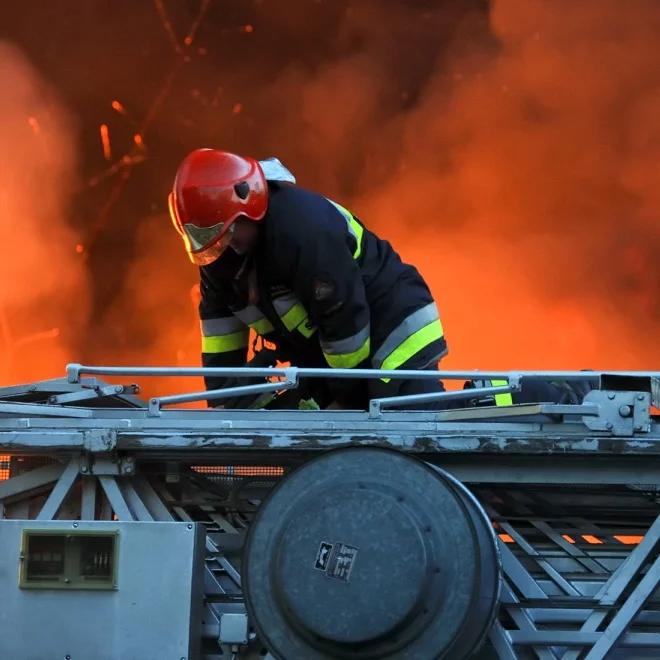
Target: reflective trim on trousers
418,320
225,343
223,325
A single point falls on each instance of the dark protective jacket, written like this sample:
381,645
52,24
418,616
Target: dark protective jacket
323,288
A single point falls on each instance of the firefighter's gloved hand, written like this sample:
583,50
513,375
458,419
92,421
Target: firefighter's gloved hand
263,359
573,392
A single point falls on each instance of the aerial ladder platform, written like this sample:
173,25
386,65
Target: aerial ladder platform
140,530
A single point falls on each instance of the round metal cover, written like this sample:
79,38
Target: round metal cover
370,553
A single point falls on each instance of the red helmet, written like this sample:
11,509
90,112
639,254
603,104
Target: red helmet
211,190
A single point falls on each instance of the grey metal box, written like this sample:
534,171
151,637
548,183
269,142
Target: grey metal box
154,613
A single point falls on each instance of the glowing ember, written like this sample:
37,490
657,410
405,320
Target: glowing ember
105,141
238,107
248,28
118,107
80,248
34,125
137,138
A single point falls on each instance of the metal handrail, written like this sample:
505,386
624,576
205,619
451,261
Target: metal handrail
292,375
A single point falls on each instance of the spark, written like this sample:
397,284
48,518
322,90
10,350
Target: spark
248,28
237,108
167,26
80,248
53,333
139,142
34,125
190,37
105,141
118,107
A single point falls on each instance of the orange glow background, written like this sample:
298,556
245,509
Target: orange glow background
510,152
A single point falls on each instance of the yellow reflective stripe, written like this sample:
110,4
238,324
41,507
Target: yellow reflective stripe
502,399
357,228
354,227
225,343
349,360
413,344
262,326
305,329
294,317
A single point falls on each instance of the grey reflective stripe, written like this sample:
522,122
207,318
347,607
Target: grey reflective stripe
348,345
416,321
274,170
250,314
224,325
284,303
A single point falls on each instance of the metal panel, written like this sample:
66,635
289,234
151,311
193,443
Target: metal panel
153,614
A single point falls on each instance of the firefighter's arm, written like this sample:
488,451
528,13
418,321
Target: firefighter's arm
329,283
224,336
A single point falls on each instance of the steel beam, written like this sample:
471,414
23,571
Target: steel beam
612,590
60,491
29,481
115,497
88,504
622,619
579,638
137,506
150,498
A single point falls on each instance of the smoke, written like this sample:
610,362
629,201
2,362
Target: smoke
42,297
508,149
510,154
525,187
534,181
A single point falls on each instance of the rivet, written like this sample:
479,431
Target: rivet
608,426
190,526
625,410
610,395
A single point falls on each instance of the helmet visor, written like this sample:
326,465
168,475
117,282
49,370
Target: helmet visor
203,244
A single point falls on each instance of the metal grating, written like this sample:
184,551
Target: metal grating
240,470
4,467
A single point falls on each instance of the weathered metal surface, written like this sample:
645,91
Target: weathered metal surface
562,483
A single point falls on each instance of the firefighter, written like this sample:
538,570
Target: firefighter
305,274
